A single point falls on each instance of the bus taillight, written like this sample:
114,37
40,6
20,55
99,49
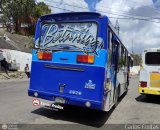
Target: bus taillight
85,59
44,55
143,84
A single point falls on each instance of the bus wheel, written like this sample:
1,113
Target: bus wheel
148,96
117,96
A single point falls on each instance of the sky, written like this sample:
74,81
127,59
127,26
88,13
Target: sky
135,34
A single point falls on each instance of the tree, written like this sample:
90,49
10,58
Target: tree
15,10
3,6
22,11
137,59
41,9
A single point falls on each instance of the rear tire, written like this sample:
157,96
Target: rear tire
148,96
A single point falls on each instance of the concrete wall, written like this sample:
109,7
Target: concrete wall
19,57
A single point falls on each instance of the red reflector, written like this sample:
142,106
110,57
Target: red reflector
79,58
45,55
82,58
49,56
85,58
143,84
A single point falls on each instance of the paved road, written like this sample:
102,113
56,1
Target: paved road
16,107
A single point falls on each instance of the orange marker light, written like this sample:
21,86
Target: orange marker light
91,59
40,55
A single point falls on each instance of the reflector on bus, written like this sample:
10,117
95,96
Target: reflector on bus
85,59
143,84
44,55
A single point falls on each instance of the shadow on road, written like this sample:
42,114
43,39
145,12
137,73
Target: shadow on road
148,99
77,115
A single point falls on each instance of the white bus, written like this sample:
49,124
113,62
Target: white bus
149,81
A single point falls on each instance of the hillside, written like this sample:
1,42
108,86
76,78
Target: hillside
14,41
6,45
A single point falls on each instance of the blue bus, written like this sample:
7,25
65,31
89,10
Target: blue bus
78,59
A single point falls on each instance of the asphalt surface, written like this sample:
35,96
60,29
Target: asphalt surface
16,108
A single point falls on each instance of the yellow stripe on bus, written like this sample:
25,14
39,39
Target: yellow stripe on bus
155,80
148,91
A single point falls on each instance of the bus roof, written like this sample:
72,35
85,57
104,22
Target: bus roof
73,14
152,50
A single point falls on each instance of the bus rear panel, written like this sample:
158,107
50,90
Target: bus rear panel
75,83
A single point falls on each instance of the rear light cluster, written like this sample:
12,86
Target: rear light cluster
85,59
45,55
143,84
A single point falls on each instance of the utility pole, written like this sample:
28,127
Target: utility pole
117,26
132,46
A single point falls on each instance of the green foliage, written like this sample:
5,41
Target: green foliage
121,62
14,9
41,9
22,11
137,59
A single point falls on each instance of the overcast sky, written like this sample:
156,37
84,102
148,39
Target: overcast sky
144,34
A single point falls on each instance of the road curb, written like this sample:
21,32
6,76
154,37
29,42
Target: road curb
14,80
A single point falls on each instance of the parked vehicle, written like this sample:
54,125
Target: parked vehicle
149,80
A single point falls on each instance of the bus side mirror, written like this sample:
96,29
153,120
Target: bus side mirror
36,44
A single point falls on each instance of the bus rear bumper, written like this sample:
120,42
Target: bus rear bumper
151,91
68,99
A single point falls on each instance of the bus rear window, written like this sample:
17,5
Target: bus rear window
70,36
152,58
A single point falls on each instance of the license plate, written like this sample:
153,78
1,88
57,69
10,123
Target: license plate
59,100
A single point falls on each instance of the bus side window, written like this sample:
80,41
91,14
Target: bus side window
126,59
109,62
109,37
120,57
109,48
